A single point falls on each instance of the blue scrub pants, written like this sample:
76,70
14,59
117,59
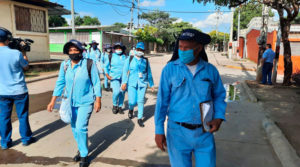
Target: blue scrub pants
182,142
136,95
118,95
79,124
6,105
267,73
105,81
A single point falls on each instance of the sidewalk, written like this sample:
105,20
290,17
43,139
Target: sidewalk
222,60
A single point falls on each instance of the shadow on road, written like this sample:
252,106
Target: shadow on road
105,137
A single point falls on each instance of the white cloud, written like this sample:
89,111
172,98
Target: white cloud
212,20
178,20
82,13
68,20
148,3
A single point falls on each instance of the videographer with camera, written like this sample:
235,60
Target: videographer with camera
13,90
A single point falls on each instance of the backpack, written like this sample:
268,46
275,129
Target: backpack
89,64
109,59
147,64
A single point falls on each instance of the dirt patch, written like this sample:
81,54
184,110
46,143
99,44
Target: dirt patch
282,103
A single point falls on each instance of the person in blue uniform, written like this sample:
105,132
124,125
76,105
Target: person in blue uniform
113,71
95,54
187,82
267,61
106,56
13,91
84,89
136,76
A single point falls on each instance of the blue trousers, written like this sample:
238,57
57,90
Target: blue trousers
267,73
105,81
79,124
118,95
136,95
6,105
182,142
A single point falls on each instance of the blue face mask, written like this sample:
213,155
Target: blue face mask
187,56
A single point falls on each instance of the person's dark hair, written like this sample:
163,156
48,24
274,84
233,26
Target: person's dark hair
175,56
269,45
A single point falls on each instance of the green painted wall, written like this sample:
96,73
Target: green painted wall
56,47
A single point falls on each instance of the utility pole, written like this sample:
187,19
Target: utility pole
138,12
262,40
217,32
238,32
73,19
131,21
231,35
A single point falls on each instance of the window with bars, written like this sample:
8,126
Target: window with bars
28,19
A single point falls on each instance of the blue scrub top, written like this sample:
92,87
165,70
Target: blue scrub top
180,94
116,68
12,80
94,54
85,89
269,55
135,67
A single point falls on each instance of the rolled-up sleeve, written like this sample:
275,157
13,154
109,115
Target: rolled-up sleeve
60,83
96,80
219,95
162,103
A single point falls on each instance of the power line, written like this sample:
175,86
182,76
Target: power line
168,11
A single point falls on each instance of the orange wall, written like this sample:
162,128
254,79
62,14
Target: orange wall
296,64
241,46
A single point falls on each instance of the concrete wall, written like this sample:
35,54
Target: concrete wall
40,47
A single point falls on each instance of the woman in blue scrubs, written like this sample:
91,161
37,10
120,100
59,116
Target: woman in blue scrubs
84,91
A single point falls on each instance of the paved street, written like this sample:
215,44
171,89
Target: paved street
114,140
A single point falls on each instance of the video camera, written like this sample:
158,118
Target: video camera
23,45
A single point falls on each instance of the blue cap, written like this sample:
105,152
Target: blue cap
140,45
94,42
107,46
75,43
195,35
5,34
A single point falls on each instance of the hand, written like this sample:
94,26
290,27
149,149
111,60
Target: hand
50,106
161,142
215,125
108,77
124,86
97,105
153,89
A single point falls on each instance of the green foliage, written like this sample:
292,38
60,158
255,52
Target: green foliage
297,20
147,34
121,25
57,21
86,20
247,13
218,38
158,19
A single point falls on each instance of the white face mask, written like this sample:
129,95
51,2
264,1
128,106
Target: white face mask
118,52
108,50
139,53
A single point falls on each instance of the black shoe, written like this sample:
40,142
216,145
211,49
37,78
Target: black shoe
120,110
77,157
106,89
140,122
115,110
32,140
130,114
84,162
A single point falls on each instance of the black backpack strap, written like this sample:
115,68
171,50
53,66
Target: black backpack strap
109,59
89,63
147,65
66,66
130,59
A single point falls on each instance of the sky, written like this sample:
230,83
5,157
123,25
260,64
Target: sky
109,14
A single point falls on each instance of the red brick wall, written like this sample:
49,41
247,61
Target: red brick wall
241,46
252,47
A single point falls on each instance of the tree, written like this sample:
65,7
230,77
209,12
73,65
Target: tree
287,10
247,13
121,25
86,20
296,20
147,34
57,21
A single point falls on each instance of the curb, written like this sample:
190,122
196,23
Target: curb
41,78
249,92
239,68
283,149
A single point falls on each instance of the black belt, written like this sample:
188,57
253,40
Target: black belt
189,126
